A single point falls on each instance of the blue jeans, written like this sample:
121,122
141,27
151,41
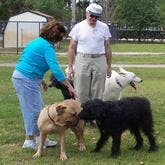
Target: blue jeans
30,99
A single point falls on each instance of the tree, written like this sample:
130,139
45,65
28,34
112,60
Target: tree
81,9
59,9
9,8
109,8
138,14
3,10
161,13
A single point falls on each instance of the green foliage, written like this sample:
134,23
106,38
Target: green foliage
9,8
81,9
161,12
3,10
56,8
137,14
59,9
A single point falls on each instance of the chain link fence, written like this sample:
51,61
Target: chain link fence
14,35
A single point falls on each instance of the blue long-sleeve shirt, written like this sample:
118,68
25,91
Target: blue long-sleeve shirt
37,58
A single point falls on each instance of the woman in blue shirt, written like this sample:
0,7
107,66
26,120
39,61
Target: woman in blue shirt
37,58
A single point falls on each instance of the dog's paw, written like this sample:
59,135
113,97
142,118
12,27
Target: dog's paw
63,156
82,147
37,155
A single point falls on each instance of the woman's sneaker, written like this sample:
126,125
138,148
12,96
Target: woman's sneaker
29,144
48,143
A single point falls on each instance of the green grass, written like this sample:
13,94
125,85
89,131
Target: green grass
126,59
141,59
117,47
6,58
11,135
127,47
141,47
12,131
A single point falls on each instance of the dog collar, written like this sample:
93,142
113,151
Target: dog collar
117,81
50,116
68,124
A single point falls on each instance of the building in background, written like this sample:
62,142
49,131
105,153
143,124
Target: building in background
24,27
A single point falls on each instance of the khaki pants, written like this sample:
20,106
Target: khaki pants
90,75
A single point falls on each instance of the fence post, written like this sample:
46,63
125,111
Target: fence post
17,37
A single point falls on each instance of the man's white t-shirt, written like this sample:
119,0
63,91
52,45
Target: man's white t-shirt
90,40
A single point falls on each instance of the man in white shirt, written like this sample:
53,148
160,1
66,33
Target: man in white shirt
90,42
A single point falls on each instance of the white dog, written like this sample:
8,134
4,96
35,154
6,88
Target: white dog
117,82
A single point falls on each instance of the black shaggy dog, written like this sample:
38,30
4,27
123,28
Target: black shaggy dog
114,117
62,87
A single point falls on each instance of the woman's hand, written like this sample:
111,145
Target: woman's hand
72,92
70,72
70,88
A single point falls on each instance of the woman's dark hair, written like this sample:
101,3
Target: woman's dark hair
53,31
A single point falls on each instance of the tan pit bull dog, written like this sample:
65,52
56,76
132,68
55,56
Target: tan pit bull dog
57,118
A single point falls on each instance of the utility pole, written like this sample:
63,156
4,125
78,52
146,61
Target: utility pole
73,21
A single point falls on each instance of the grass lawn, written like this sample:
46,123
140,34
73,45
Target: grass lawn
121,47
12,131
127,47
11,124
117,47
137,47
126,59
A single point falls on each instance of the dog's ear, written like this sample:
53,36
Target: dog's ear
60,109
122,69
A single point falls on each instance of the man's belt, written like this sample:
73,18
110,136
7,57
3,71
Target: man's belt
90,55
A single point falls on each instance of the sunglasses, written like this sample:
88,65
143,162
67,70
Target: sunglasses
93,16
